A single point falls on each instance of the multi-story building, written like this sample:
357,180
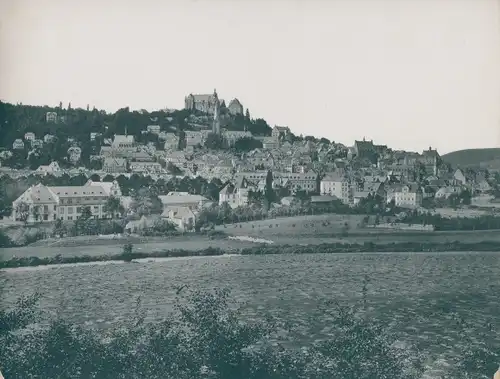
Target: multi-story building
203,103
280,131
52,168
193,138
36,143
113,165
270,143
339,186
123,142
430,159
51,117
306,181
236,195
174,200
18,144
74,154
47,203
171,142
47,138
232,136
146,167
405,195
29,136
154,129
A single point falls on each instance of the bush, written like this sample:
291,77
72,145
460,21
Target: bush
205,338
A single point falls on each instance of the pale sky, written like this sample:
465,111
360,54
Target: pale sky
406,73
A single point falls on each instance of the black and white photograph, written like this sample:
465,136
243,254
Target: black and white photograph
250,189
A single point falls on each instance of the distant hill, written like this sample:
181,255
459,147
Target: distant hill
483,158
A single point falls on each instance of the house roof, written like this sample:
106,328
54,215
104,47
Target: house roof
334,177
323,199
203,97
107,186
120,138
114,161
179,213
39,194
181,199
282,128
81,191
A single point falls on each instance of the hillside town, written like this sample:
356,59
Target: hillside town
246,161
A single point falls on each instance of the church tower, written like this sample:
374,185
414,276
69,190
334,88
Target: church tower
216,123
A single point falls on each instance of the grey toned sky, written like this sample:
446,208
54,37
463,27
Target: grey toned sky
407,73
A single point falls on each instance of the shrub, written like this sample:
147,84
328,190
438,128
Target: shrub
205,338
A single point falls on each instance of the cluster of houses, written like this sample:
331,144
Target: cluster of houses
326,170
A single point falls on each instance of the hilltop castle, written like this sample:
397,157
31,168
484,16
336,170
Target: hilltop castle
207,103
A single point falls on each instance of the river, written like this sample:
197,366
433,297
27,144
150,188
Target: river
413,292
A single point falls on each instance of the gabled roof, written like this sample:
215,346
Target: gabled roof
179,213
39,194
181,199
119,138
80,191
323,199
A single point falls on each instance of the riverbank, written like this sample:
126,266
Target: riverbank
261,249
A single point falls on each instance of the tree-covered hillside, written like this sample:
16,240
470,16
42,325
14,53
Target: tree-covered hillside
484,158
77,124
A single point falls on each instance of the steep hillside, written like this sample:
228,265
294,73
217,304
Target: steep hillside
484,158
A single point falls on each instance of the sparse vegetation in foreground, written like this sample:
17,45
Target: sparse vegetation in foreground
205,337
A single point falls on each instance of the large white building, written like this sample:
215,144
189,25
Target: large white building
47,203
405,195
337,185
236,195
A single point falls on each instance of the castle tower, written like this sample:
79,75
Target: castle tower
216,123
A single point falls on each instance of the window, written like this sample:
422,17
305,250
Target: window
70,217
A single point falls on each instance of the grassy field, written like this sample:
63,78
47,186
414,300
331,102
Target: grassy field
82,247
298,230
296,226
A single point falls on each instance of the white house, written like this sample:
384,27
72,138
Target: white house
146,167
193,138
236,195
18,144
47,203
338,186
51,117
36,143
29,136
52,168
154,129
171,142
123,141
47,138
446,191
74,154
405,195
183,218
174,200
